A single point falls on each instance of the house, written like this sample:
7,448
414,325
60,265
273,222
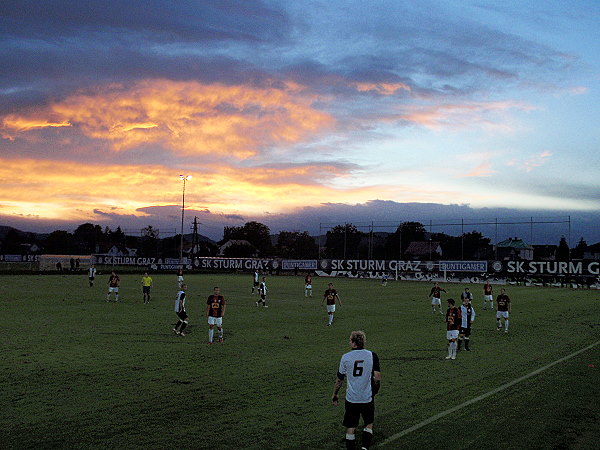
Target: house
236,242
544,252
514,248
592,251
423,250
121,250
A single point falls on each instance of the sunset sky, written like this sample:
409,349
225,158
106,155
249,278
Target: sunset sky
295,113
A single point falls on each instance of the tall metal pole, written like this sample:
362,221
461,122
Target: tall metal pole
184,178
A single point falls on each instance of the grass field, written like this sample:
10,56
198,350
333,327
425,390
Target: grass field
78,372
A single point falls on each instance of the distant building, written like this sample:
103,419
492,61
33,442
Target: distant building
514,248
231,242
121,250
592,251
423,250
544,252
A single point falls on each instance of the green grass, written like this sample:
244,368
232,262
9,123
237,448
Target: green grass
79,372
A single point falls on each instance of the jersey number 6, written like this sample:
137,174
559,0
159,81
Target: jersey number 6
358,368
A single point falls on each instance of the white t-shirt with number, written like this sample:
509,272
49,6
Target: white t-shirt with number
358,366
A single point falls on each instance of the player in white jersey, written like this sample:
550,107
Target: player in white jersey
180,278
255,282
262,290
361,367
180,310
91,275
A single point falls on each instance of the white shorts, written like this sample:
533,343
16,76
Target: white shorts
452,334
330,308
488,298
436,301
503,314
113,289
218,321
309,286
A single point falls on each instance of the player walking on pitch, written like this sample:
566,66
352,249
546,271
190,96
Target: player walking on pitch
215,311
436,295
503,309
453,320
255,283
488,295
91,275
308,285
361,367
180,311
113,286
179,278
262,290
331,296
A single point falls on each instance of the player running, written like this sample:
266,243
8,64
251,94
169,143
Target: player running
361,367
180,310
331,296
215,311
308,285
488,295
436,299
503,309
453,320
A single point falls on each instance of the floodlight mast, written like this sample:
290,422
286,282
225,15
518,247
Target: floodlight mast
183,178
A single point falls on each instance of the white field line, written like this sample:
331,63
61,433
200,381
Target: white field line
481,397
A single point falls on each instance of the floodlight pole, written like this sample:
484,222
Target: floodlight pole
183,178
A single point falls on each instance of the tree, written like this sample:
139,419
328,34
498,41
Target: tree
342,241
239,250
256,233
580,249
398,242
12,242
59,242
87,237
296,245
563,252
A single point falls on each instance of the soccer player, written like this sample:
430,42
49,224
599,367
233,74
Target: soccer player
262,290
488,295
179,278
255,283
453,321
180,311
146,285
308,285
466,294
467,313
436,295
361,366
331,296
215,310
91,275
113,286
503,309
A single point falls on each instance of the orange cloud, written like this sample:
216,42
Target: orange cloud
529,164
482,170
187,117
439,116
381,88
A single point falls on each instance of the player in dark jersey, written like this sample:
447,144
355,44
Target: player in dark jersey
308,285
453,320
113,286
361,368
503,309
436,295
331,296
215,311
467,313
488,295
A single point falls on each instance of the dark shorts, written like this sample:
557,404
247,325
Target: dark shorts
355,410
255,283
465,331
91,278
146,289
182,315
263,296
